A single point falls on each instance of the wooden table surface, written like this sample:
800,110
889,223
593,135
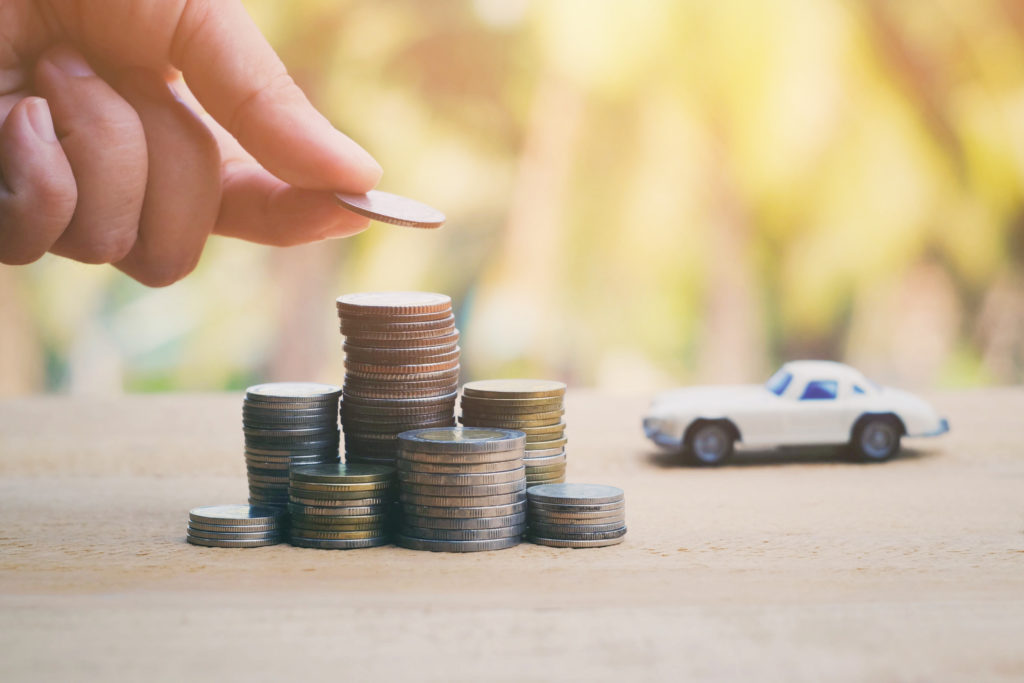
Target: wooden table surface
778,567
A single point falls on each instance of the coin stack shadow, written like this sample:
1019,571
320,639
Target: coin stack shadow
401,369
341,506
287,424
576,515
236,526
535,407
462,489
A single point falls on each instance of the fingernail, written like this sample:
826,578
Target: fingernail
39,118
70,62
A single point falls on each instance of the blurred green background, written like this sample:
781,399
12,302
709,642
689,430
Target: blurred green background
639,195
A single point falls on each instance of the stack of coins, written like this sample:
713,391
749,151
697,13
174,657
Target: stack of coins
462,489
577,515
287,424
532,406
401,369
235,526
340,506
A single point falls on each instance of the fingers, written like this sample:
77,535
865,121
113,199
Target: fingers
38,195
239,79
103,140
258,207
183,185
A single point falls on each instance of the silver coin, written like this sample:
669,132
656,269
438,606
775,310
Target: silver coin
338,534
465,512
292,391
225,543
534,453
234,536
272,408
341,491
508,456
465,490
467,523
558,459
301,490
558,507
562,543
431,402
461,440
330,448
471,479
461,501
234,528
592,536
563,530
577,494
337,503
516,531
307,529
299,510
343,473
350,544
456,546
618,516
318,433
236,515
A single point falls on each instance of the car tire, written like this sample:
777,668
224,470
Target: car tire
876,439
710,444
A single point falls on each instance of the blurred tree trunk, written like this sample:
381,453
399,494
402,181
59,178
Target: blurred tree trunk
22,368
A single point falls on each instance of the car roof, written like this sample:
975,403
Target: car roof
824,369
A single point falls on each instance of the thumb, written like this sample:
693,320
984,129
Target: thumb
242,83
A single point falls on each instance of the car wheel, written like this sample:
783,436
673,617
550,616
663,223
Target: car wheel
876,439
710,444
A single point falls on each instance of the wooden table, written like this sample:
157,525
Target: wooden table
775,568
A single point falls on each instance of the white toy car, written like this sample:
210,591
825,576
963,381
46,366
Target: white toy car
804,403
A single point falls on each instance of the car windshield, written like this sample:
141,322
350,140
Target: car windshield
778,382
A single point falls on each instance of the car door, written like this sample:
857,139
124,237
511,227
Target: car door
817,414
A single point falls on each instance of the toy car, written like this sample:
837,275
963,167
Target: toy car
804,403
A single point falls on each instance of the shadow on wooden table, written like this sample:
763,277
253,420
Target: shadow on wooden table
808,455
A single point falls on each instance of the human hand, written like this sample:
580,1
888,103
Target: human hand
102,159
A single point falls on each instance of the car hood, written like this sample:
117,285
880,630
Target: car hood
709,399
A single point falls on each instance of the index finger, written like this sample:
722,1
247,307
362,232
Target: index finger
239,79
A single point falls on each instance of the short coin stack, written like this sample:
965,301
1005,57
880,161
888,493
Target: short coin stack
236,526
577,515
462,489
401,369
340,506
534,407
287,424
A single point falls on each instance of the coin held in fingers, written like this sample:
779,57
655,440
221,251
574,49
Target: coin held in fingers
392,208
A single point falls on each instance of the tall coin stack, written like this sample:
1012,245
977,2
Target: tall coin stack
401,369
462,489
287,424
535,407
340,506
577,515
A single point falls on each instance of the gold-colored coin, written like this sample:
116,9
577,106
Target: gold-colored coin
513,388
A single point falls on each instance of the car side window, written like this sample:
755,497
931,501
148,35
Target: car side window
820,390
